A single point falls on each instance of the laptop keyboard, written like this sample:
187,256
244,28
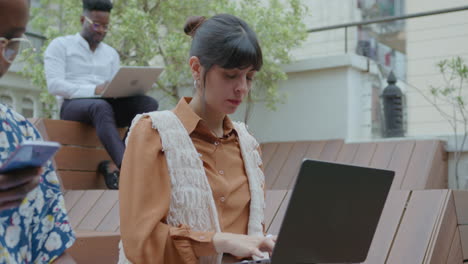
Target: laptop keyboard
262,261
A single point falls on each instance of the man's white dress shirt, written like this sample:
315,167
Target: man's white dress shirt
73,70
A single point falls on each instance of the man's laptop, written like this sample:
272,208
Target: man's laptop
332,214
131,81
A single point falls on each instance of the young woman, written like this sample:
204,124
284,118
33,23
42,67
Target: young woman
191,188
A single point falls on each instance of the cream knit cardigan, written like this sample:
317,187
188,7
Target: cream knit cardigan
192,202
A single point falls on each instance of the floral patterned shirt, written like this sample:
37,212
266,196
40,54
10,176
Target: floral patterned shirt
38,231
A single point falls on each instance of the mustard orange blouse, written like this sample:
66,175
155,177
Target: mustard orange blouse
145,189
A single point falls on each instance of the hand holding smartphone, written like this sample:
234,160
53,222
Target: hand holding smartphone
21,172
30,154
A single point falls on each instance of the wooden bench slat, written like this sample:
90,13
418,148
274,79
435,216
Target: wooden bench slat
81,159
331,149
276,163
383,155
100,209
399,163
444,232
461,206
82,180
291,166
111,221
464,239
456,254
95,248
387,227
268,151
347,152
73,133
83,206
418,168
438,173
273,201
364,154
417,226
314,150
278,219
71,198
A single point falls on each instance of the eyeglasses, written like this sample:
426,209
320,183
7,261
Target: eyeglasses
12,47
97,26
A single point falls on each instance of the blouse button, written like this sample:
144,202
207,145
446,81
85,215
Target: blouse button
222,199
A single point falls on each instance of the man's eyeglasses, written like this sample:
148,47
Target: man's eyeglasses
97,26
11,47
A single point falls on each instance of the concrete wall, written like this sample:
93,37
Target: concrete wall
323,13
429,40
328,98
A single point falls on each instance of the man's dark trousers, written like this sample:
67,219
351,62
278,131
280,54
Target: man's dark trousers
106,115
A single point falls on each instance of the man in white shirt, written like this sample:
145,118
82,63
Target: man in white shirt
78,68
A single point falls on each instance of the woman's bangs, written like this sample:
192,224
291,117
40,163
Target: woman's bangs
243,56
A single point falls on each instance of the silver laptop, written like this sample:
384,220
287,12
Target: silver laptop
332,214
131,81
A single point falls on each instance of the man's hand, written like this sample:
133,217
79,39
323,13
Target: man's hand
15,185
243,246
100,88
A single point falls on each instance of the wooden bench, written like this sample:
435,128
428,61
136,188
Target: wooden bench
419,164
417,225
93,210
94,215
420,226
76,162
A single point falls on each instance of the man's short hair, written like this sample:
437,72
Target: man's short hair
97,5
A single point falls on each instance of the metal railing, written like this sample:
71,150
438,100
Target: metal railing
384,20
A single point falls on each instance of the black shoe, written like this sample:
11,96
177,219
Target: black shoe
111,178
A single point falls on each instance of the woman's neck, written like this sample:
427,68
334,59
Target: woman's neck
214,120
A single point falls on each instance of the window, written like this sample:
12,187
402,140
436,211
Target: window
6,100
27,108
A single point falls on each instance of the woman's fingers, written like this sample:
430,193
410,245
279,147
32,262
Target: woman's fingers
267,245
257,253
242,245
274,238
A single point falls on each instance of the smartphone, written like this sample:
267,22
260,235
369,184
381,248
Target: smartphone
30,154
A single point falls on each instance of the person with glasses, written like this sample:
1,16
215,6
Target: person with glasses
11,47
78,68
34,227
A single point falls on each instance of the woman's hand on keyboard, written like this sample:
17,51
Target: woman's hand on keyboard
242,245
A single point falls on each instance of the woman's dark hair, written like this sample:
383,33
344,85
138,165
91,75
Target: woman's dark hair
224,40
97,5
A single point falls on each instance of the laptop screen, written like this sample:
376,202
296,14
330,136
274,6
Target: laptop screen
332,214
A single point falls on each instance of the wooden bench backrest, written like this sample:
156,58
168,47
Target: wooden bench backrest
419,226
415,227
419,164
76,162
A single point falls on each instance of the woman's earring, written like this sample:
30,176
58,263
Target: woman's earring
195,84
